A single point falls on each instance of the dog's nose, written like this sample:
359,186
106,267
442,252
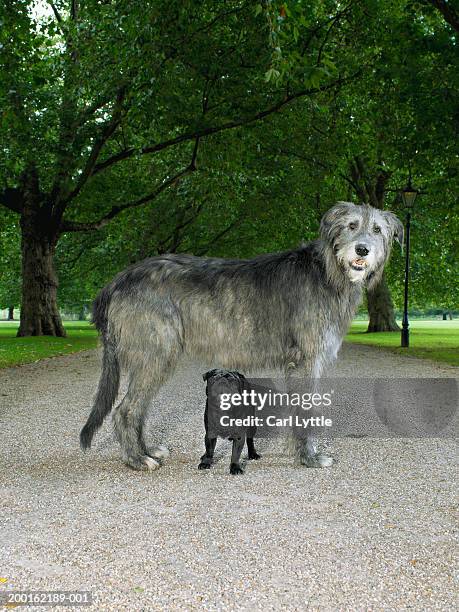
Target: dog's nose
361,249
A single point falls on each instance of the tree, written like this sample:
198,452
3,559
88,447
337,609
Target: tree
97,91
372,134
216,128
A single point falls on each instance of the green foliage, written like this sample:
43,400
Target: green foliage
10,261
130,76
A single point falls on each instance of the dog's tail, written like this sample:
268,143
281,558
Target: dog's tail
110,377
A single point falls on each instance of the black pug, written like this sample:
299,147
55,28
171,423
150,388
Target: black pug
227,381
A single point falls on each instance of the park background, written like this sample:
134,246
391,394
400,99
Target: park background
225,129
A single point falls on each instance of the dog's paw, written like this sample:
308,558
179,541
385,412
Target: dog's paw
142,462
235,468
324,460
254,456
151,464
204,466
160,452
317,461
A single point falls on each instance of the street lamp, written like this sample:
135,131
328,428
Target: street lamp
409,195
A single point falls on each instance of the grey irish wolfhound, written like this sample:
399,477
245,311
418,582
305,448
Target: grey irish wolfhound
286,311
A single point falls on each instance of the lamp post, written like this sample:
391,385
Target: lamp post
409,195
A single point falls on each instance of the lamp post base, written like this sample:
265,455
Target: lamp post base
405,337
405,323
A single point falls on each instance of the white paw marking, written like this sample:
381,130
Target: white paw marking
151,464
324,460
160,452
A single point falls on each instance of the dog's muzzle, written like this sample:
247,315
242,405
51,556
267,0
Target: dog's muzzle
358,264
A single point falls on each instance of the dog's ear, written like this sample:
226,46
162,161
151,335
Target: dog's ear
395,226
208,374
241,381
330,221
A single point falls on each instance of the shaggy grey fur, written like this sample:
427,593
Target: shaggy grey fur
287,311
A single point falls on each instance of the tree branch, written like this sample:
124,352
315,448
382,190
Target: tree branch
107,130
217,237
70,263
200,133
195,154
74,10
333,22
87,112
317,162
70,226
175,236
65,159
449,13
56,12
356,175
12,198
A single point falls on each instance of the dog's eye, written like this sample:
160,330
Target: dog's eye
377,229
352,226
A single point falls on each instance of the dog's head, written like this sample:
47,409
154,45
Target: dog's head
360,238
224,381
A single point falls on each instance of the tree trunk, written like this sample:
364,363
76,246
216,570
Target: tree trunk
39,312
371,189
10,313
381,309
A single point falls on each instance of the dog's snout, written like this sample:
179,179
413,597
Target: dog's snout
361,250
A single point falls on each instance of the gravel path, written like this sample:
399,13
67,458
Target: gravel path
377,531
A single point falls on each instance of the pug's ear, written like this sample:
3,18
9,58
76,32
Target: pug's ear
395,226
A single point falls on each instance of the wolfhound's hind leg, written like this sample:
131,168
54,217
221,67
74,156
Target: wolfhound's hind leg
149,343
129,416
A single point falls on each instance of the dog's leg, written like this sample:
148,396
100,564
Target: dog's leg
208,458
238,445
148,373
304,445
309,454
251,449
129,418
313,457
149,351
305,449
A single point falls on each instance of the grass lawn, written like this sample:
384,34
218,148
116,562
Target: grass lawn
436,340
15,351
